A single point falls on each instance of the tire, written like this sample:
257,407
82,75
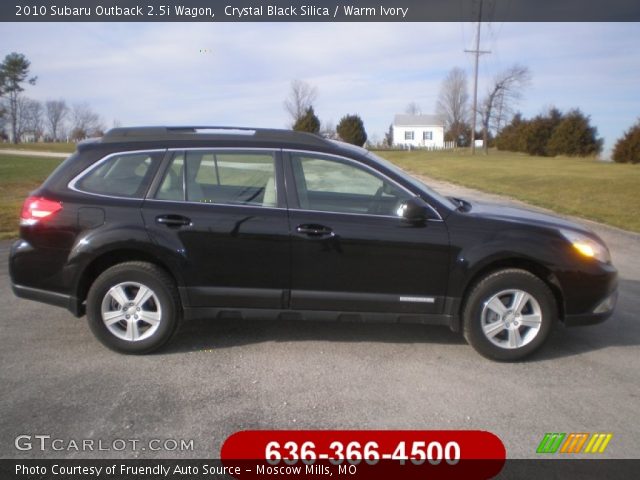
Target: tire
516,326
133,308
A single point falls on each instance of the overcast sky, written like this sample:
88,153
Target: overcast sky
239,73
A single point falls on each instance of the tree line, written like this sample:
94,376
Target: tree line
549,134
571,134
23,118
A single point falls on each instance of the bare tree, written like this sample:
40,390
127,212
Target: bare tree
504,93
301,97
56,112
328,129
18,118
413,108
3,124
388,137
85,122
453,103
31,118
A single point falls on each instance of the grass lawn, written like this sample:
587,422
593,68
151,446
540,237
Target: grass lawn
584,187
18,176
41,147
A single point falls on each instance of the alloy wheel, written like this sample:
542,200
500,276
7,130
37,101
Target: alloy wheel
131,311
511,319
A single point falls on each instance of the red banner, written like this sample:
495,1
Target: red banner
407,454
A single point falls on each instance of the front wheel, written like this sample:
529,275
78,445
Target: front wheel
133,307
508,314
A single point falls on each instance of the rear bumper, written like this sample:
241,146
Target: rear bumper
37,274
48,297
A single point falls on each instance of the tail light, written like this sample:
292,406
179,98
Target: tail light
37,209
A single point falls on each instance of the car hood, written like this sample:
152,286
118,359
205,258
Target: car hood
509,213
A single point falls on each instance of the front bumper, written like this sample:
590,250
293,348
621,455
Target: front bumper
602,311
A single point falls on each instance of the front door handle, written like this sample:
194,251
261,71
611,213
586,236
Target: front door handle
313,230
173,220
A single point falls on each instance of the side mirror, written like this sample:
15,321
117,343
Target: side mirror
414,210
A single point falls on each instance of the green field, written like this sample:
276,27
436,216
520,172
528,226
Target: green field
584,187
60,147
18,176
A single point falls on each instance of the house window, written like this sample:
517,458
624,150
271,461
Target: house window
427,135
408,135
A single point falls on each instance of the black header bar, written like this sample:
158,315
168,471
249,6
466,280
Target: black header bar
318,11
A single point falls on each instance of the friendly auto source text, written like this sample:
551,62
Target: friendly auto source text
129,470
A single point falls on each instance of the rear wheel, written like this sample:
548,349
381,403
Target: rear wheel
133,307
508,314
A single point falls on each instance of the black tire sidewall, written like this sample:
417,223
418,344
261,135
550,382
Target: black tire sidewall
132,273
507,280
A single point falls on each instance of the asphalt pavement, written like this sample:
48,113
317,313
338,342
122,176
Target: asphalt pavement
219,377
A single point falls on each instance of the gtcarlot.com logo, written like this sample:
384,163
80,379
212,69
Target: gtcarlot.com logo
574,443
47,442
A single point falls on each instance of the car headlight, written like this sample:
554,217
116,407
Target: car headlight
587,246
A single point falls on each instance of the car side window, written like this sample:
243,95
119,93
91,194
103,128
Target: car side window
235,178
333,185
125,175
172,186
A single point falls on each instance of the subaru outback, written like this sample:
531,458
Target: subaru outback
149,226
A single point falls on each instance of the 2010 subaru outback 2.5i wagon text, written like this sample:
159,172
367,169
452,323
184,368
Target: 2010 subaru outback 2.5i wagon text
148,226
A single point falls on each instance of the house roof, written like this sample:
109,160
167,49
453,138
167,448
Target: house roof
405,120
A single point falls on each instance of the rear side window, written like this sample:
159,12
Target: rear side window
235,178
125,175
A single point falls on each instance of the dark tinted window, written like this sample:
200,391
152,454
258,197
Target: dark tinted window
126,175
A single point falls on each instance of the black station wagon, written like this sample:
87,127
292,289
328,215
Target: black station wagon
146,227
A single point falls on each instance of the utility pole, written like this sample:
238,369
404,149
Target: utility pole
477,52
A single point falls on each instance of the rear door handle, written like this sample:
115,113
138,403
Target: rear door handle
315,230
173,220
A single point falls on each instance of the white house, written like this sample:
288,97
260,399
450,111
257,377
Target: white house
424,131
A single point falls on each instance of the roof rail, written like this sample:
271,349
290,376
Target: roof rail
156,131
127,134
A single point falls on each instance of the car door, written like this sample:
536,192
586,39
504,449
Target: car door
350,249
220,209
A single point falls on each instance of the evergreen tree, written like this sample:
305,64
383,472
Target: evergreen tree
538,132
575,136
627,149
351,130
14,72
307,122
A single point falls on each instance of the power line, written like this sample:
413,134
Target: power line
477,52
